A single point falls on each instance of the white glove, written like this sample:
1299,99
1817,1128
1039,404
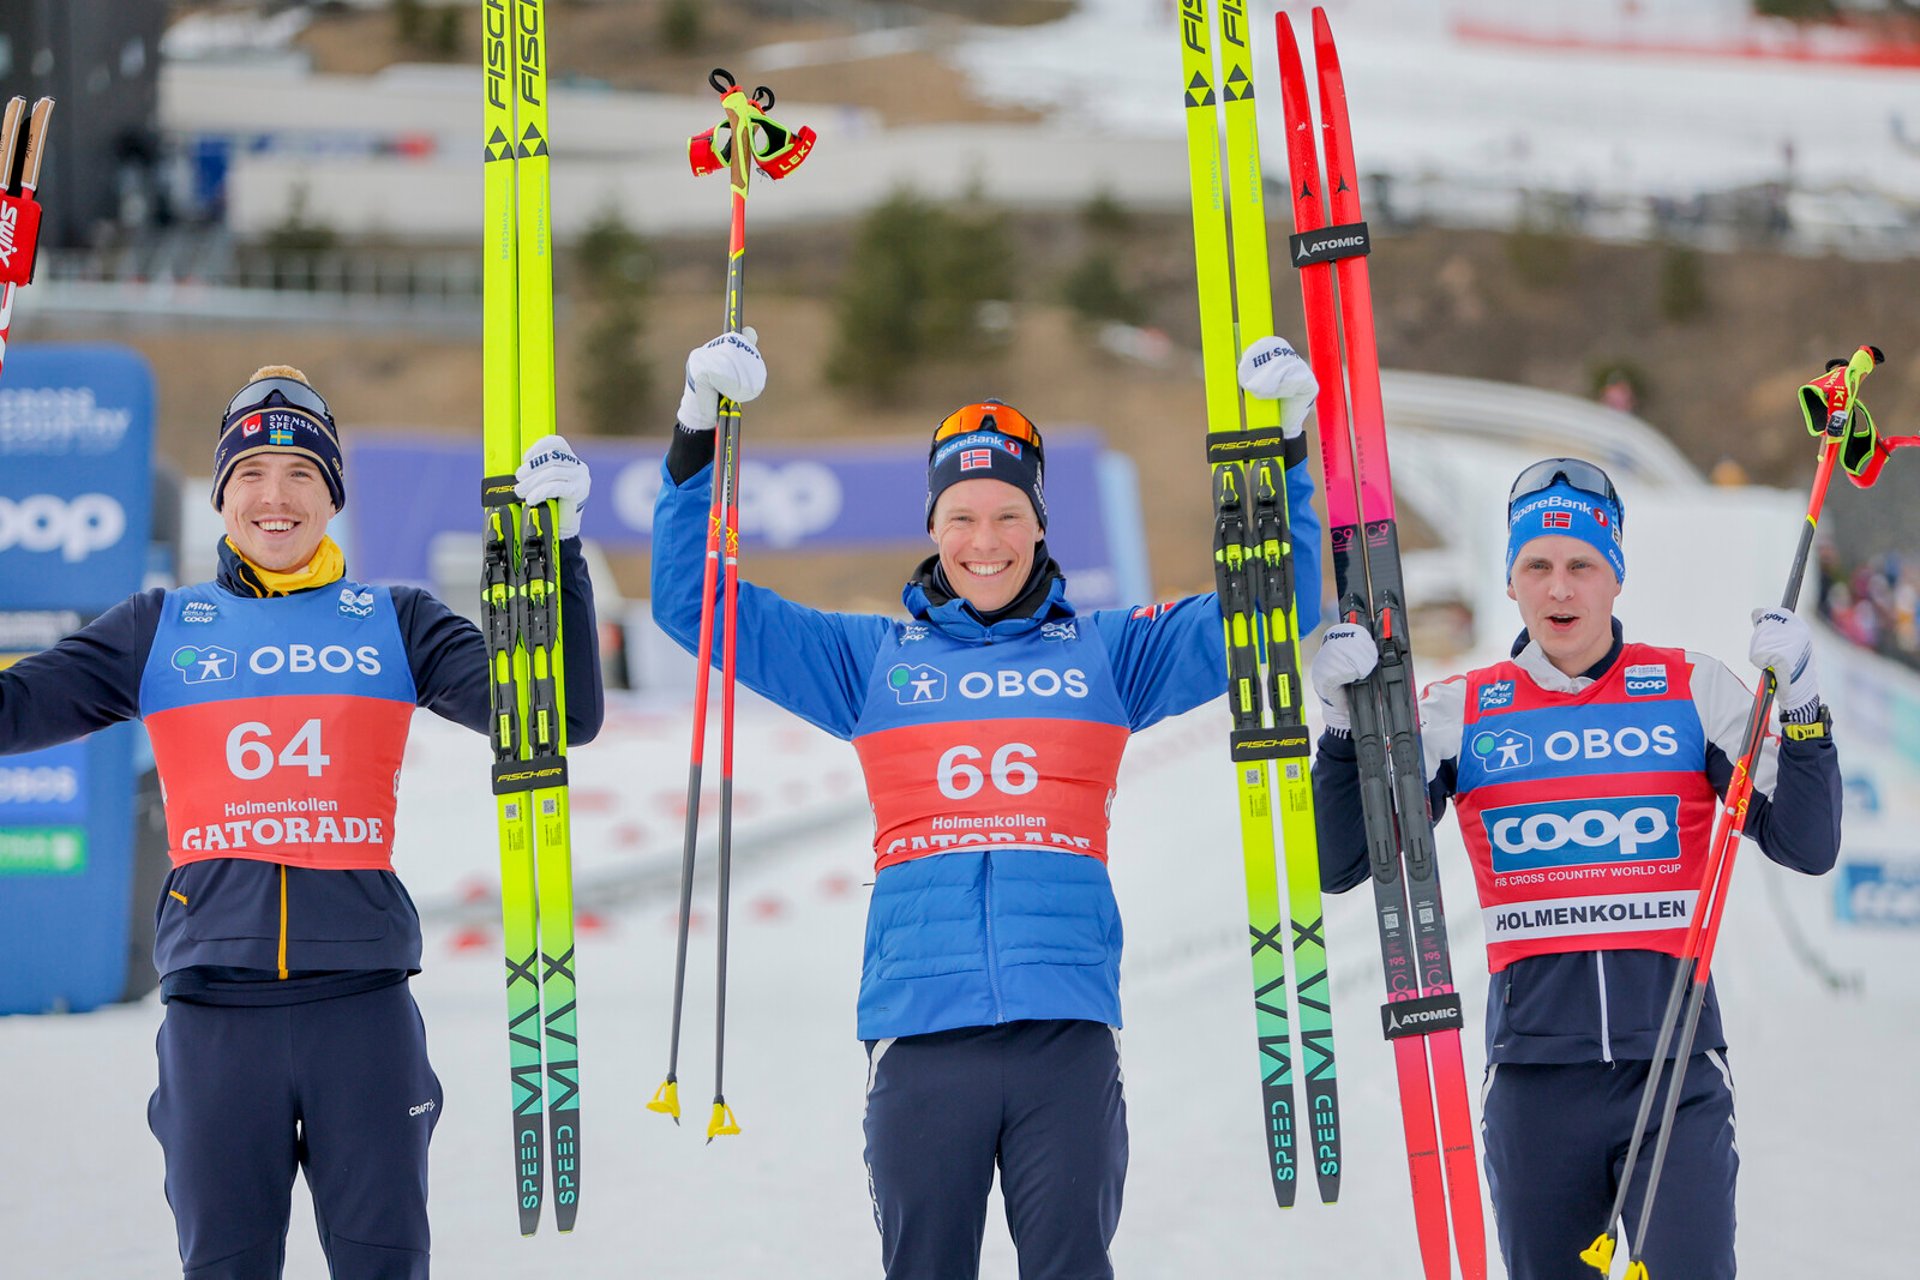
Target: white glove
1271,369
728,366
550,469
1347,655
1784,643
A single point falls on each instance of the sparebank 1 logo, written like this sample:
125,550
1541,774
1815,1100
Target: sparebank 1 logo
205,663
1500,750
918,683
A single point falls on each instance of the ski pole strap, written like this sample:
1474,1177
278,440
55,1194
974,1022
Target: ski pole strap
1254,443
1422,1016
776,150
1831,406
1287,743
1329,244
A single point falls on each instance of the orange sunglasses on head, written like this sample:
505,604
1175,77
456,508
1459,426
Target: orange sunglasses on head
988,415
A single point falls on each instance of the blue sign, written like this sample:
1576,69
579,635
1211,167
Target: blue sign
76,425
1878,894
1574,833
839,497
76,476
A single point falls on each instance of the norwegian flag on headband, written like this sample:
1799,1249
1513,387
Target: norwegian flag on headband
975,459
1556,520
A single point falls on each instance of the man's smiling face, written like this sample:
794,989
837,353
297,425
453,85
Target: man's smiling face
986,531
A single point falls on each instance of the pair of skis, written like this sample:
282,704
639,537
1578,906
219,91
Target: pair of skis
1422,1016
1253,573
23,150
520,606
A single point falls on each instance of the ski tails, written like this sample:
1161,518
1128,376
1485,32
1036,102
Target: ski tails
1253,570
1422,1015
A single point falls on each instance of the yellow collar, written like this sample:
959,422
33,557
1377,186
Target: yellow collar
329,564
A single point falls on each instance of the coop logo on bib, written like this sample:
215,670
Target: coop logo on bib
1647,680
1600,829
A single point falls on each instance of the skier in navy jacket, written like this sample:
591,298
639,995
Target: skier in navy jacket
1586,772
990,724
278,698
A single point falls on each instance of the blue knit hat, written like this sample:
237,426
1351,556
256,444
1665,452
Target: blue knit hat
278,411
991,450
1570,513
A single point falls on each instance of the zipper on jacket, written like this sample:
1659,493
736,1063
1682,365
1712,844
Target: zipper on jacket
1606,1031
993,958
283,923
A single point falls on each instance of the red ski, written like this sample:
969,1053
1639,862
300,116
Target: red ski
1422,1015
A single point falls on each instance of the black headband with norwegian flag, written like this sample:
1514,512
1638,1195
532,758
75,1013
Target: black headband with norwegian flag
986,455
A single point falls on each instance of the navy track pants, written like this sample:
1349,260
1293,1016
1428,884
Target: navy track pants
338,1088
1556,1146
1043,1100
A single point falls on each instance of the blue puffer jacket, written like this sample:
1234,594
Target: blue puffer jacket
990,751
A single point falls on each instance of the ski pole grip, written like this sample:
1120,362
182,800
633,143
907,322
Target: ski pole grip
19,238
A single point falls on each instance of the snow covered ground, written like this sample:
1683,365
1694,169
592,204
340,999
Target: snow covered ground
1829,1133
1828,1130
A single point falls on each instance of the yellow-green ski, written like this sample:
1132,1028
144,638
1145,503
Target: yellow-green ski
521,597
1253,570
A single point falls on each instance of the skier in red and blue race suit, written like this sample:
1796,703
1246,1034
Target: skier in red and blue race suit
278,698
1586,771
990,723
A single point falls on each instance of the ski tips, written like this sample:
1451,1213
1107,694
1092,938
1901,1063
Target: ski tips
666,1099
1599,1254
722,1122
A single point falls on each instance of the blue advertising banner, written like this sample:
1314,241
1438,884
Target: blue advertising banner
76,427
76,476
847,496
1878,893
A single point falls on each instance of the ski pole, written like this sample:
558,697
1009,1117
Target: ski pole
1836,394
23,150
751,140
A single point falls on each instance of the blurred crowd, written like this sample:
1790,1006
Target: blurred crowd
1874,604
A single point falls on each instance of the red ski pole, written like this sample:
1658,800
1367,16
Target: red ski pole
747,140
1833,420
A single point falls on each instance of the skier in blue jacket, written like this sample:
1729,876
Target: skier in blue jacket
1586,771
278,698
990,723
